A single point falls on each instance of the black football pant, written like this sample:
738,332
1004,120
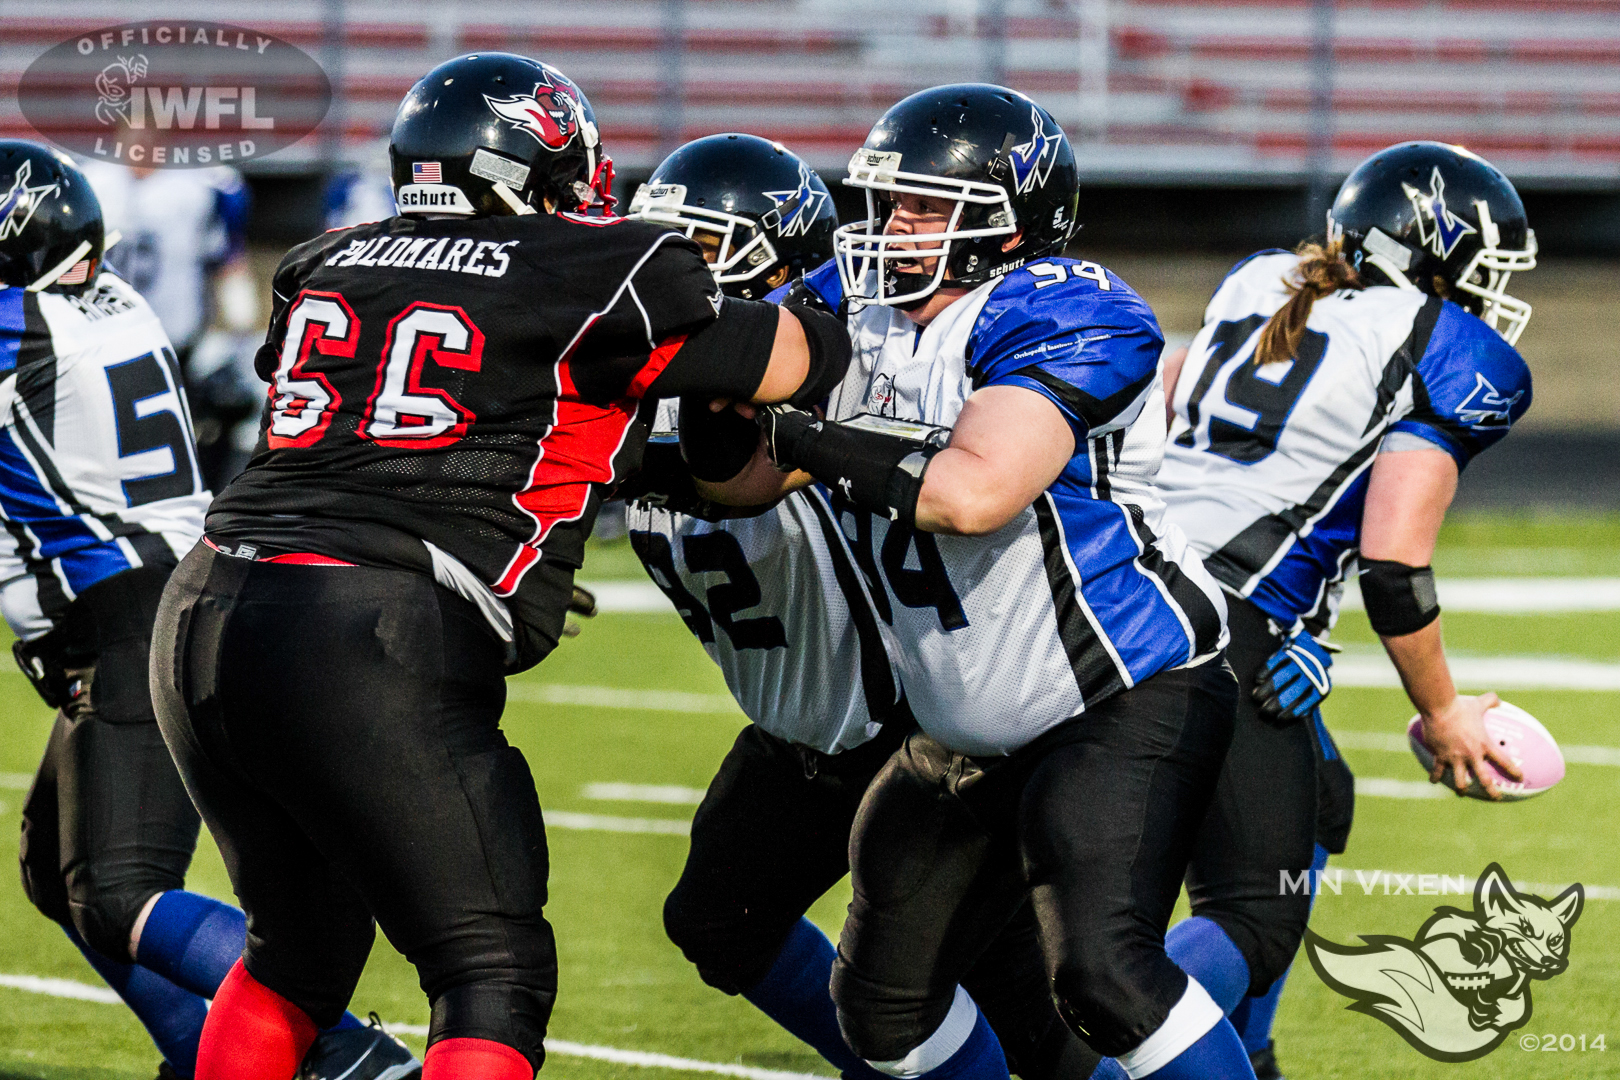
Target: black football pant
1281,790
107,824
1094,820
339,729
772,835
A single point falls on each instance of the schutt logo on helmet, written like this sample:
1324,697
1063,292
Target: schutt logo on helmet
168,94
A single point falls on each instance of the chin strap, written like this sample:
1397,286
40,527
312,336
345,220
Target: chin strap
509,197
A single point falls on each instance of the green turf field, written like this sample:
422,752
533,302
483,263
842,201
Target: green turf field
625,986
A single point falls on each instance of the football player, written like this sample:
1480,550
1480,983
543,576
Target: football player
1059,643
100,496
779,602
1319,422
185,252
452,391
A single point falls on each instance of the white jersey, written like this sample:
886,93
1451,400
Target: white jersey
1087,592
780,605
1266,470
177,224
97,468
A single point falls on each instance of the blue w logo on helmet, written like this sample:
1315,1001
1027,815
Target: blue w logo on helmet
1438,228
796,208
1032,161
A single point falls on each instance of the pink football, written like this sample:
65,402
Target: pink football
1528,744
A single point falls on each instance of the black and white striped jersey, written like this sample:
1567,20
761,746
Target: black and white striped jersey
782,607
98,472
1266,469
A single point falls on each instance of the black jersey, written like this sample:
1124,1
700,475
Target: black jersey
471,383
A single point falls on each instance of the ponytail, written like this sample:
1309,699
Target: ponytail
1322,271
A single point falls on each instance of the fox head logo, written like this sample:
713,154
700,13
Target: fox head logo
552,115
1457,990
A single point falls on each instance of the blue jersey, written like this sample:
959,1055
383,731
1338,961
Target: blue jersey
1087,592
97,468
1267,468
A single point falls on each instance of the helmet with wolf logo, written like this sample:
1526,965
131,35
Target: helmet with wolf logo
765,214
997,156
1440,219
51,233
496,133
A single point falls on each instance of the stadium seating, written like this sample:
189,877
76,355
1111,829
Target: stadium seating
1219,88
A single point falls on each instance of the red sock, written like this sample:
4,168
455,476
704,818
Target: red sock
473,1059
252,1032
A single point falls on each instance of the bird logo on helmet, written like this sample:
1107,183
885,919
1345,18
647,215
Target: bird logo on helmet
797,208
18,207
551,114
1438,228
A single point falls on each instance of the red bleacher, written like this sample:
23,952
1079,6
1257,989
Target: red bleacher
1228,84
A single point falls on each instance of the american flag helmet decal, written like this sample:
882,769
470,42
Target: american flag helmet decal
427,172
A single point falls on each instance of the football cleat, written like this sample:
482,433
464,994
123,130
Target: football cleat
367,1053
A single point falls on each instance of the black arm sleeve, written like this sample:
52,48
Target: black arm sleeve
725,358
729,357
830,354
876,470
1400,599
716,445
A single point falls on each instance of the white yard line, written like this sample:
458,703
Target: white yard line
640,1057
16,781
61,988
101,995
563,819
610,697
673,794
1518,596
1381,787
1373,670
1373,881
1379,740
1493,595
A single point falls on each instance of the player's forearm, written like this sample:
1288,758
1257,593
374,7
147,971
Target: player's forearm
963,495
1420,658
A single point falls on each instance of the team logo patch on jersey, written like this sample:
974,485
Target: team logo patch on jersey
20,203
796,208
1032,161
1438,228
552,114
1485,407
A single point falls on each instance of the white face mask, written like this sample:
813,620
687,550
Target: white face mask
736,259
866,254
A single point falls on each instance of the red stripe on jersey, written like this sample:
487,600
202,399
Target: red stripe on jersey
657,361
577,452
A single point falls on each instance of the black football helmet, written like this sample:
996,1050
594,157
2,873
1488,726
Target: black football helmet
756,208
997,155
494,133
51,235
1442,220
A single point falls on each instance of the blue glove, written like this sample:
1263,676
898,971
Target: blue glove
1294,681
